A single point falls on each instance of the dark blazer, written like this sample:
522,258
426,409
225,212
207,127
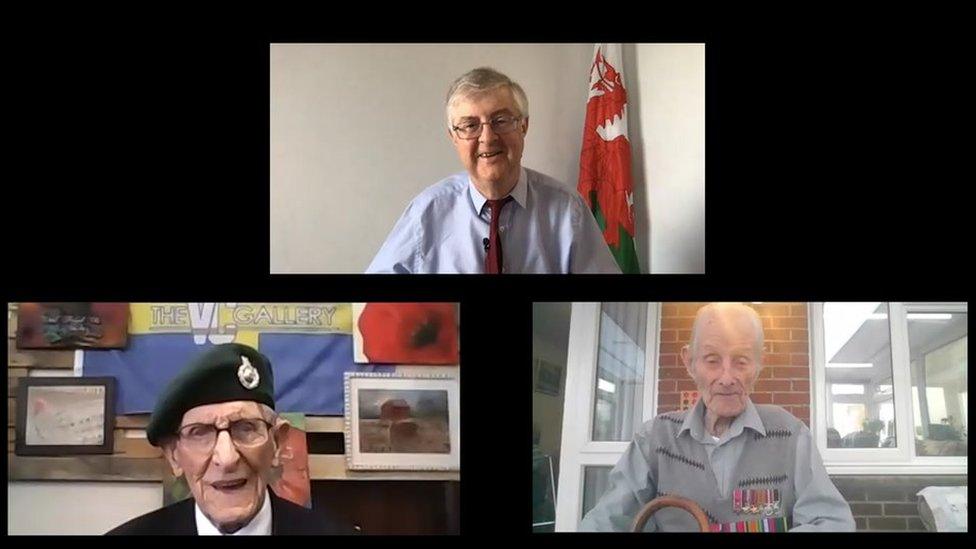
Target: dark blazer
286,519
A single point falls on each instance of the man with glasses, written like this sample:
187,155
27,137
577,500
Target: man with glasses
217,426
496,217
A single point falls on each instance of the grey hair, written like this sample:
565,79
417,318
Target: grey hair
749,311
481,80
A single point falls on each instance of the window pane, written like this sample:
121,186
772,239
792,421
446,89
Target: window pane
595,481
846,389
938,348
857,347
619,383
543,493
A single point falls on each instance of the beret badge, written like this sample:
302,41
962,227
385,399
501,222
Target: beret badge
248,374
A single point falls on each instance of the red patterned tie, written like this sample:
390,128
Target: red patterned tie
493,259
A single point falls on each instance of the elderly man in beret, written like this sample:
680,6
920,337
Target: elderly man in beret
217,426
750,468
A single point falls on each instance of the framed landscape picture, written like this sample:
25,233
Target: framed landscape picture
402,422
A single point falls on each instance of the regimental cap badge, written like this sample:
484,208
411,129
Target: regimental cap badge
248,374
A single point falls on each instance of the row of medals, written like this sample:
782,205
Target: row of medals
767,508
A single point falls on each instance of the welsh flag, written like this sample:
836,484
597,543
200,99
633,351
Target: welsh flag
604,181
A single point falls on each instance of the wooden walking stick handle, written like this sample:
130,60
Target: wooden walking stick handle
669,501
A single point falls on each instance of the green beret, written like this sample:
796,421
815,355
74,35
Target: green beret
223,373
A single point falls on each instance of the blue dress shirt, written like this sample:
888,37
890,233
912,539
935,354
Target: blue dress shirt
546,228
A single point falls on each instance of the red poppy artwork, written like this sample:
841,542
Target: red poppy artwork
292,480
72,325
406,333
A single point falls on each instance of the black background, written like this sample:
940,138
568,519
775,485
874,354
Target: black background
138,170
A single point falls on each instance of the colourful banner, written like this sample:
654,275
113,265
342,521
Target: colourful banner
309,345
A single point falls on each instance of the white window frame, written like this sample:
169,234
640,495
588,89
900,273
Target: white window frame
579,450
877,461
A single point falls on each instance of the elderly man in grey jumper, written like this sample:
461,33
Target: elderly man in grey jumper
751,468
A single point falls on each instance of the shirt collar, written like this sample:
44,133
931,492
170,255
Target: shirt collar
519,192
260,525
694,422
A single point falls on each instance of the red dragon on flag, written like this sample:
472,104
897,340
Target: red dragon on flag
605,180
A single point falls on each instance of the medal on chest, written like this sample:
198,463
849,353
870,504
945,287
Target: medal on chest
759,501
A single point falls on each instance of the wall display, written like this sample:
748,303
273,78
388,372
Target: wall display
59,415
406,333
72,325
402,422
548,377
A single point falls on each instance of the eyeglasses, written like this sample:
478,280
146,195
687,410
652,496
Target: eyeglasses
246,433
500,124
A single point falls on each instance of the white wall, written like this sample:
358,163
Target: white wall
547,410
82,508
667,131
358,130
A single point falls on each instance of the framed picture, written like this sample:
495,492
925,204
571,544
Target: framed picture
405,333
402,422
548,377
72,325
65,415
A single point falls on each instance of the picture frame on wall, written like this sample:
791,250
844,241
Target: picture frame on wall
65,416
402,422
548,377
87,325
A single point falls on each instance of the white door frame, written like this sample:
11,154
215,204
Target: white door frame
578,449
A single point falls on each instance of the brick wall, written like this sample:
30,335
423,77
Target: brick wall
785,377
889,503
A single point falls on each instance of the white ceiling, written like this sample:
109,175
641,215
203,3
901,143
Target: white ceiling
871,343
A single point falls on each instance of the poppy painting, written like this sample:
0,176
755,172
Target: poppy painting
406,333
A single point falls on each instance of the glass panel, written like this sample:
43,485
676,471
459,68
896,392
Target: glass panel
937,345
619,384
550,343
595,482
857,347
543,493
